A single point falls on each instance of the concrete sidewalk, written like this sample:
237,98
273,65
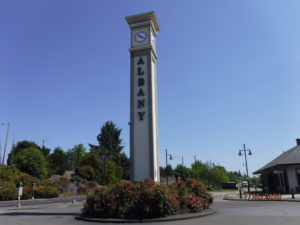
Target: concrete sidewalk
220,195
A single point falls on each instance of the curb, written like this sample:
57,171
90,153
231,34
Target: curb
162,219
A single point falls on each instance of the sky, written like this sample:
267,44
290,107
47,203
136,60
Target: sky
228,75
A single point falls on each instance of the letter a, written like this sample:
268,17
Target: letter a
140,61
140,93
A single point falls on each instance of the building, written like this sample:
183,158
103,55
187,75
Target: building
282,174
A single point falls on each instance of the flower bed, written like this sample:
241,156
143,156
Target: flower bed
146,199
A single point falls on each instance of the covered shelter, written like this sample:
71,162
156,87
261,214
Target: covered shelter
282,174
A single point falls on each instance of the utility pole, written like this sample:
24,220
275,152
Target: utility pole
6,138
43,146
0,152
195,158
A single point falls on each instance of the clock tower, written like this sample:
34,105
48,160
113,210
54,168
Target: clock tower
144,152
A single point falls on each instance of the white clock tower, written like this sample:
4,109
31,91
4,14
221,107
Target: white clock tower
143,98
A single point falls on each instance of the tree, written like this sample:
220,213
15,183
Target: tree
234,176
58,161
113,174
33,162
74,155
109,148
182,172
125,164
18,148
255,180
201,171
169,171
46,151
91,168
219,175
109,138
90,161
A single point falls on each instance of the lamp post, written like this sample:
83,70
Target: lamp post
170,157
245,154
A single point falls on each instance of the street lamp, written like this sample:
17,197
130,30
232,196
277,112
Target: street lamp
245,154
170,157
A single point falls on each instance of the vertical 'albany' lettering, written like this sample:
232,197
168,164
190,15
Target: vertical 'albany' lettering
141,115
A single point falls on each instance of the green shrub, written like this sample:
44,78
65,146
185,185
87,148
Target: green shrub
10,176
27,192
146,199
193,187
155,200
46,192
110,201
8,191
192,202
86,172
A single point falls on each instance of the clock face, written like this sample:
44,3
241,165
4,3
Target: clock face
140,36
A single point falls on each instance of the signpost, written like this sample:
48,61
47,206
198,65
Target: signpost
33,187
20,193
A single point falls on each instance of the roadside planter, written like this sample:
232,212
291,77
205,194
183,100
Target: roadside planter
146,200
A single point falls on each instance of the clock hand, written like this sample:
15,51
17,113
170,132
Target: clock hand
141,36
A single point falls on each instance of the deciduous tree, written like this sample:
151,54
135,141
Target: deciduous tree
18,148
33,162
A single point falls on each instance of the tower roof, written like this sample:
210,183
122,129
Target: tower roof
144,17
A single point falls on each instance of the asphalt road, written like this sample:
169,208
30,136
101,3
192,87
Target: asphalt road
228,213
40,201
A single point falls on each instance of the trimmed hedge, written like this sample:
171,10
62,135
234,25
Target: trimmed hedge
46,192
146,199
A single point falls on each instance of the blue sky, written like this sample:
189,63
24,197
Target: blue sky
228,74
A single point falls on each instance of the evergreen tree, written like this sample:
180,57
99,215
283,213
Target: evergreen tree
109,138
58,162
109,149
